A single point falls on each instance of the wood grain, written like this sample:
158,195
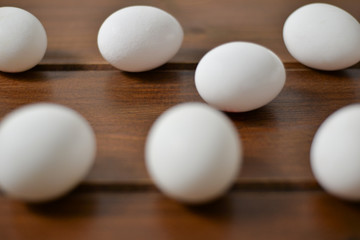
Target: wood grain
72,26
149,215
275,195
122,107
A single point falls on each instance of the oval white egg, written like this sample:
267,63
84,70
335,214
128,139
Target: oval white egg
139,38
335,153
193,153
23,40
323,36
239,76
45,151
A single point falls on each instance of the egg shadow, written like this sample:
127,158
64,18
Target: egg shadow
154,76
264,116
27,76
215,214
333,75
217,210
65,206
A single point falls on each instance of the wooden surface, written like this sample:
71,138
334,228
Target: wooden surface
275,195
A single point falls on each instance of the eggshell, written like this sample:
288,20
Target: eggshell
193,153
139,38
323,37
45,151
239,76
335,153
23,40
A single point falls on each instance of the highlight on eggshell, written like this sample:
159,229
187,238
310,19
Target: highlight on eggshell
45,151
239,76
23,40
193,153
139,38
335,153
323,36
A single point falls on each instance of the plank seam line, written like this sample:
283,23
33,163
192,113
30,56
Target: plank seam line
237,187
271,186
290,66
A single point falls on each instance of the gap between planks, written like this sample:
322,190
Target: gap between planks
290,66
243,185
250,185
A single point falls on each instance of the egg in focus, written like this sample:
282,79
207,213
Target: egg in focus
239,76
139,38
23,40
323,37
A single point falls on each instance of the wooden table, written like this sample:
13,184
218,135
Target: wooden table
275,195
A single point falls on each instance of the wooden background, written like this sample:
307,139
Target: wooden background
275,195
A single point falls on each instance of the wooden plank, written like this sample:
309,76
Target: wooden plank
72,26
122,107
150,215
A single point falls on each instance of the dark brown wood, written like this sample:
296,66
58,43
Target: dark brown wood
122,107
72,26
149,215
275,195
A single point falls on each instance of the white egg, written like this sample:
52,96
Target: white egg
335,153
239,76
139,38
193,153
23,40
45,151
323,37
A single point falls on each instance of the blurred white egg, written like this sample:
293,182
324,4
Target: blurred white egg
23,40
239,76
193,153
139,38
45,151
323,37
335,153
